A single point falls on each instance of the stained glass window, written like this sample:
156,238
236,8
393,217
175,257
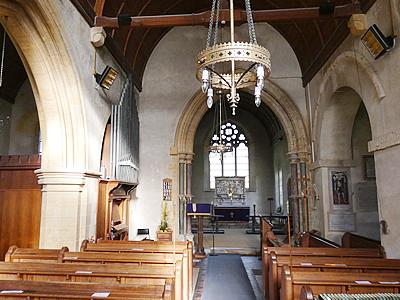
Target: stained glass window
234,163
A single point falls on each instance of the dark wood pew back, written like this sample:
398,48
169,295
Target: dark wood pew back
308,239
351,240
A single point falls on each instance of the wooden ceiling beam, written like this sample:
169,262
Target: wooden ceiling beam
273,15
99,7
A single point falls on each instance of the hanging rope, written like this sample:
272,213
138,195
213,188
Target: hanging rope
3,50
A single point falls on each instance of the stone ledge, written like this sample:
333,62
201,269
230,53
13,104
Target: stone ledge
385,141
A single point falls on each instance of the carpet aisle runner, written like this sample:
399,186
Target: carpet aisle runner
227,279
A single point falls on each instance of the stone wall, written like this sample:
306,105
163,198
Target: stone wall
376,83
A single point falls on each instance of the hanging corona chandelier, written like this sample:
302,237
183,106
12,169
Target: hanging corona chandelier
231,66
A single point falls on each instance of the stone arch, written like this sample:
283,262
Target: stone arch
274,97
33,29
350,70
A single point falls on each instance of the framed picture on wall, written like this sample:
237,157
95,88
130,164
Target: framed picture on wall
340,188
369,167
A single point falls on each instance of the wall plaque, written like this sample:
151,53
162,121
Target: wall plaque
342,222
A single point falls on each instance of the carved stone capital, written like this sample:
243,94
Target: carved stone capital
58,180
293,157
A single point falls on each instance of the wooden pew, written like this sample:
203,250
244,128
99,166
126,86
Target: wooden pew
351,240
146,247
306,293
138,259
325,264
148,275
310,252
58,290
15,254
108,258
135,246
268,237
309,239
335,282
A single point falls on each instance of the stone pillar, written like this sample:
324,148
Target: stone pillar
188,195
294,194
182,189
304,192
69,207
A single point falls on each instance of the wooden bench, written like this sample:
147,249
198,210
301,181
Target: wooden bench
108,258
335,282
325,264
145,247
306,293
58,290
136,275
309,239
15,254
135,246
313,252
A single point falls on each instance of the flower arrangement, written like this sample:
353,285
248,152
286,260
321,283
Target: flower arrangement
164,215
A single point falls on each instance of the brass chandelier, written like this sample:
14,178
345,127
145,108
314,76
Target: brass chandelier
231,66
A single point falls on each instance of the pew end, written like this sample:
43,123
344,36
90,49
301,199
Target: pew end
306,293
10,252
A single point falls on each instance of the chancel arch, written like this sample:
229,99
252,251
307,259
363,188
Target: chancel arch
282,108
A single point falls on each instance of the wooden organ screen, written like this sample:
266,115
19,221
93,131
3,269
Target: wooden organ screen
20,202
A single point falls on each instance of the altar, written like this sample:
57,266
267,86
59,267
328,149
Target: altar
233,213
230,200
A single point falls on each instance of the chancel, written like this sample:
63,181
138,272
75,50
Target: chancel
139,137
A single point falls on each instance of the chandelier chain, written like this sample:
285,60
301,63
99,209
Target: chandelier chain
211,24
216,23
2,58
252,31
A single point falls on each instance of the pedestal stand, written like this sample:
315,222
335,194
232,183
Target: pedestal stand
199,253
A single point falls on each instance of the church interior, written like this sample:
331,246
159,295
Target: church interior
199,149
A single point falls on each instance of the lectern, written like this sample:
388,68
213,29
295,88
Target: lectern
199,210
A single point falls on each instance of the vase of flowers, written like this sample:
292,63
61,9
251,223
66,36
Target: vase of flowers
164,233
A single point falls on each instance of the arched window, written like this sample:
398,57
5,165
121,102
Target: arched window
234,163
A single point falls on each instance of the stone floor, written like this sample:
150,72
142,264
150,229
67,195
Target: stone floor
233,241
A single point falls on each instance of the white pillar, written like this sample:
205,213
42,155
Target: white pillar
69,207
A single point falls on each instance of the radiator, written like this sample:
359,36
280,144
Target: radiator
382,296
